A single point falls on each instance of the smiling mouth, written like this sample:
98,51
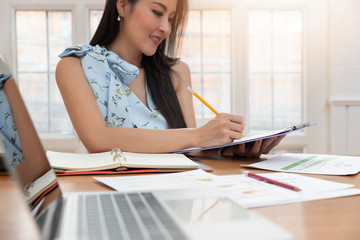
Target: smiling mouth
155,40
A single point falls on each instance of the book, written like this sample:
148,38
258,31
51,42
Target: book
34,191
116,161
252,138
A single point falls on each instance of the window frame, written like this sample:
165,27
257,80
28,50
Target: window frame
272,72
55,141
309,140
203,120
296,140
204,5
49,73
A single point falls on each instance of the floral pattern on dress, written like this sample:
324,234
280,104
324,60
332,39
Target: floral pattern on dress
154,114
108,76
120,91
8,130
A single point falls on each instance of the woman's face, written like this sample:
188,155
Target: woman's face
149,24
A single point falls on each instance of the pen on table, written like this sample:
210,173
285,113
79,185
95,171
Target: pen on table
202,100
280,184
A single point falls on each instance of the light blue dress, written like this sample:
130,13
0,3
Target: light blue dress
108,76
8,131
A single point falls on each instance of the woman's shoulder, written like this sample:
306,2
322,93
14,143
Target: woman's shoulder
68,62
67,68
76,51
73,57
180,66
3,79
79,51
181,74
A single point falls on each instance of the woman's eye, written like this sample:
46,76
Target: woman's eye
157,13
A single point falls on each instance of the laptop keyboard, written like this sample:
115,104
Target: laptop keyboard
125,216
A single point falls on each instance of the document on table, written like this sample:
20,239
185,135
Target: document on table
311,163
248,192
188,179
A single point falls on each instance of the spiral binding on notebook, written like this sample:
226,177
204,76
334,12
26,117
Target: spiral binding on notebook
117,155
27,189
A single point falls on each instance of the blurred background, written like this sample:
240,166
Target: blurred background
276,62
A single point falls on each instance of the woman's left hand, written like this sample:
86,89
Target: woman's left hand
255,149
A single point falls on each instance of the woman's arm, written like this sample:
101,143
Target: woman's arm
34,154
182,79
91,127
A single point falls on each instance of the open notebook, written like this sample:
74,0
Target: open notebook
116,161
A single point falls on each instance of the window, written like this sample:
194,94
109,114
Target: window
40,37
206,48
94,18
275,68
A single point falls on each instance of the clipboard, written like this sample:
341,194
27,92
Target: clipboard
255,137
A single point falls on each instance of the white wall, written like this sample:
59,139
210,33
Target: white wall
344,75
344,49
5,32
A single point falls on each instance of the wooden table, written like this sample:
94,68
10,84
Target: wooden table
322,219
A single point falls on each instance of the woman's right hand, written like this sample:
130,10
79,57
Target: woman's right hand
223,129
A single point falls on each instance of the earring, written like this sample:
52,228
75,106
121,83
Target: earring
118,18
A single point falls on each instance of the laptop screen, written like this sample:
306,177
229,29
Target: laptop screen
21,151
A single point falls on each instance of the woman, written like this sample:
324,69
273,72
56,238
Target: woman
126,90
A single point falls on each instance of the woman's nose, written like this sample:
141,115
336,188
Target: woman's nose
165,26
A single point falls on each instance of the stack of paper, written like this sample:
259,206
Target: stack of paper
248,192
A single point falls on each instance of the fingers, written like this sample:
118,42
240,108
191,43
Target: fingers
236,130
242,149
275,141
255,150
251,149
259,147
231,117
266,145
234,124
223,129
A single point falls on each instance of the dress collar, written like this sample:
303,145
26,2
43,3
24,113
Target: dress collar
125,71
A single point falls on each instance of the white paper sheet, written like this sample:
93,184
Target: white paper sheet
250,192
188,179
311,163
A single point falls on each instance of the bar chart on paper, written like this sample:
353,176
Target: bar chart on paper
311,163
249,192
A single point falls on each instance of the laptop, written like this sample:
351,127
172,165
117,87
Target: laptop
177,214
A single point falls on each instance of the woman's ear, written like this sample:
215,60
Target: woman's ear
123,7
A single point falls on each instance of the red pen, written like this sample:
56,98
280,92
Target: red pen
268,180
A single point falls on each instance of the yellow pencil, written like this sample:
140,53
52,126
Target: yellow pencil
202,100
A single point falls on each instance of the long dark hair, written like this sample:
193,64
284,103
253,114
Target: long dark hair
158,66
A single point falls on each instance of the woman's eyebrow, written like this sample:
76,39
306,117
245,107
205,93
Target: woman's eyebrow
161,5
